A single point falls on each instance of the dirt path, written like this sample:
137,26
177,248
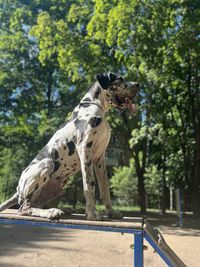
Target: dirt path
26,246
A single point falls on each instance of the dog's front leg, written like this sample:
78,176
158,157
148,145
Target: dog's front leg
101,174
85,155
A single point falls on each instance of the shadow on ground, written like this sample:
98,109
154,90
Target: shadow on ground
16,239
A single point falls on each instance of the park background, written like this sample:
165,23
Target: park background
50,52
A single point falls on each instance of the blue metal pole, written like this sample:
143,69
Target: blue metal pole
138,249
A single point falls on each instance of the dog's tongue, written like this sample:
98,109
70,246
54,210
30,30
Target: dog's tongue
131,106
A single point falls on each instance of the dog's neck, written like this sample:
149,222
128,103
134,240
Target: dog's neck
96,95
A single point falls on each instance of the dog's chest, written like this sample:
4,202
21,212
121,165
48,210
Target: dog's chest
101,140
91,130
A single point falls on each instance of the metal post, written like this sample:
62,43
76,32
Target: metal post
138,249
179,207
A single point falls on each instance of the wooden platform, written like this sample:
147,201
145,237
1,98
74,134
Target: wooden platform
125,225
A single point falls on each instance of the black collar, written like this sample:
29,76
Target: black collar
86,104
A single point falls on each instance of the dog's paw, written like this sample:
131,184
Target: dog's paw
94,216
54,213
114,214
68,211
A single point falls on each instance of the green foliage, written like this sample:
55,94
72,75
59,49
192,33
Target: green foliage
124,185
50,52
13,161
153,181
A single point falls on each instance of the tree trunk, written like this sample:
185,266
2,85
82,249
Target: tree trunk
164,187
195,112
49,90
163,204
142,193
141,186
196,180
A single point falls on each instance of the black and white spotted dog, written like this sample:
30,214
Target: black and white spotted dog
80,144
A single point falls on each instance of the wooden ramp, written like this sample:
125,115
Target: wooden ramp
139,227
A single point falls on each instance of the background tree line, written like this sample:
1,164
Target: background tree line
50,52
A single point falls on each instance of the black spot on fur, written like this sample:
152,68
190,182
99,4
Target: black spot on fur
56,165
89,144
26,169
99,166
74,115
84,105
42,154
97,93
45,178
94,132
64,147
36,187
81,138
71,148
54,154
92,183
95,121
80,125
58,178
87,99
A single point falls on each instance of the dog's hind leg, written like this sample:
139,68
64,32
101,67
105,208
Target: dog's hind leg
27,210
9,203
44,213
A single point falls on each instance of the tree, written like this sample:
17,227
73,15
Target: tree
124,185
51,52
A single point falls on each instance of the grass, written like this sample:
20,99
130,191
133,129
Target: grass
80,208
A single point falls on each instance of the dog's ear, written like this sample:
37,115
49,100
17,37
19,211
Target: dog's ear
112,77
103,80
106,79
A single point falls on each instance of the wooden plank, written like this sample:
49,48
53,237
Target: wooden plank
77,219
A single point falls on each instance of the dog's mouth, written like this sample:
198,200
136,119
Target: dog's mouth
125,102
124,97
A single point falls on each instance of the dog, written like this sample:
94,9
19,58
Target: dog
79,144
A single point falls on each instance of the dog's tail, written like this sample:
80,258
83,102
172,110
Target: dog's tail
10,202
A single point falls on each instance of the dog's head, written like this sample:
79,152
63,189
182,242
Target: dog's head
121,92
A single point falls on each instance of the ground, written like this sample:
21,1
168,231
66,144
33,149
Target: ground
27,246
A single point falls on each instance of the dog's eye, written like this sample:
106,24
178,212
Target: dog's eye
120,79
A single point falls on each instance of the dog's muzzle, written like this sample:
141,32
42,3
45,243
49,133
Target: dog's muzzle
124,99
